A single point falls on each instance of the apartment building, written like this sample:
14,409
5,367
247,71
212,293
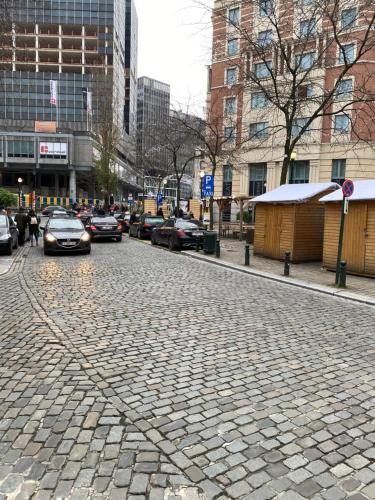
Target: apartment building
249,68
57,53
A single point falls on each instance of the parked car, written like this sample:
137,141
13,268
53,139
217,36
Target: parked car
104,227
65,234
178,234
8,234
124,220
145,225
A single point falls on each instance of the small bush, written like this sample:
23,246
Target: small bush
246,217
7,199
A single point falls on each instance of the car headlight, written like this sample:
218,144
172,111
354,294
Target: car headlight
50,238
85,237
4,236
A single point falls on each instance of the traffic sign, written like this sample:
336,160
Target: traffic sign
130,199
208,185
348,188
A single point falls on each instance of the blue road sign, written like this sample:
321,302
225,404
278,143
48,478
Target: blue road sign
130,199
208,185
159,199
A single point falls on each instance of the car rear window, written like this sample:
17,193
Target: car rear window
106,220
65,224
3,221
189,224
154,220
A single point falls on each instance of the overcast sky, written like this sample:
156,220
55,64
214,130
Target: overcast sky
174,47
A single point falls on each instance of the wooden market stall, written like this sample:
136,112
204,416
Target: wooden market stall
359,234
291,219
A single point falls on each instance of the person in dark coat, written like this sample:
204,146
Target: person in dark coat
33,222
21,220
160,212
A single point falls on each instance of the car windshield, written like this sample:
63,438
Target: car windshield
3,221
106,220
189,224
65,224
154,220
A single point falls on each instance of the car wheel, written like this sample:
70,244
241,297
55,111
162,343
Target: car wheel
46,252
172,244
139,234
88,251
119,238
153,240
10,248
15,247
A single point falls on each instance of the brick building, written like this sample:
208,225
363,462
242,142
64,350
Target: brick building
248,67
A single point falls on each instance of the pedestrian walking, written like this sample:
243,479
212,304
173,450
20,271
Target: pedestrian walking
33,222
160,212
21,220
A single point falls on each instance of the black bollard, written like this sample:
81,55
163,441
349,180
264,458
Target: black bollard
217,248
287,264
247,255
342,275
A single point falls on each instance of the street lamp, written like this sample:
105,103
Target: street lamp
20,181
293,157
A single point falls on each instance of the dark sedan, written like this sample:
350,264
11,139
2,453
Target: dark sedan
178,234
8,234
105,227
47,211
144,227
124,220
65,235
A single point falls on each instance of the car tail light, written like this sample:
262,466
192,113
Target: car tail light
93,228
147,226
119,226
181,232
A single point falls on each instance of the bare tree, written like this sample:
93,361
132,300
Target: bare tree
302,63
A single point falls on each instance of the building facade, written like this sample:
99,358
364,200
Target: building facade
45,128
245,42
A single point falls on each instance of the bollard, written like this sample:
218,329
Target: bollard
287,264
342,275
247,255
217,248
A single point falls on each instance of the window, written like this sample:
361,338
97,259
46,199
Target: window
20,149
231,76
348,18
341,124
298,125
234,16
227,180
305,91
299,172
307,28
263,70
265,38
257,178
229,134
305,61
230,106
265,7
259,130
233,47
259,100
338,171
344,90
347,53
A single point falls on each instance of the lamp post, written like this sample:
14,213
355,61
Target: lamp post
20,181
201,175
293,157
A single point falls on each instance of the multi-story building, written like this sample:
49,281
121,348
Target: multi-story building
153,107
131,68
47,139
334,147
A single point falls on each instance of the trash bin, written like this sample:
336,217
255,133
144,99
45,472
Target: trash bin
209,242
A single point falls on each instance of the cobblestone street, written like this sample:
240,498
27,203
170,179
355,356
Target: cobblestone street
137,373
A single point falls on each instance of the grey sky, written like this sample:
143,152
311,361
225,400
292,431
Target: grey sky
174,47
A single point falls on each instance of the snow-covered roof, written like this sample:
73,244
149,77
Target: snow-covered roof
294,193
363,190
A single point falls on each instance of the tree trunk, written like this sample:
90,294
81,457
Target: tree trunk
241,219
211,206
178,192
220,219
285,168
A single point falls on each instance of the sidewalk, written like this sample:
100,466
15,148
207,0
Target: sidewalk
233,252
15,260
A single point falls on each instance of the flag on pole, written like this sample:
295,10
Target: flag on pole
53,89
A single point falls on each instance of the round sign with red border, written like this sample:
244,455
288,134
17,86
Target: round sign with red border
348,188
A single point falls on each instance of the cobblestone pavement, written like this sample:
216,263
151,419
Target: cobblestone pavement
233,251
138,373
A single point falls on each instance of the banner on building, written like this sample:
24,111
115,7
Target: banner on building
53,90
45,127
53,149
87,100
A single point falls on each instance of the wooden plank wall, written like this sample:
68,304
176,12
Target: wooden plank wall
260,221
308,232
277,221
287,229
370,240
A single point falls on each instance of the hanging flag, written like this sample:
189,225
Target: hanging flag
89,102
53,89
84,95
